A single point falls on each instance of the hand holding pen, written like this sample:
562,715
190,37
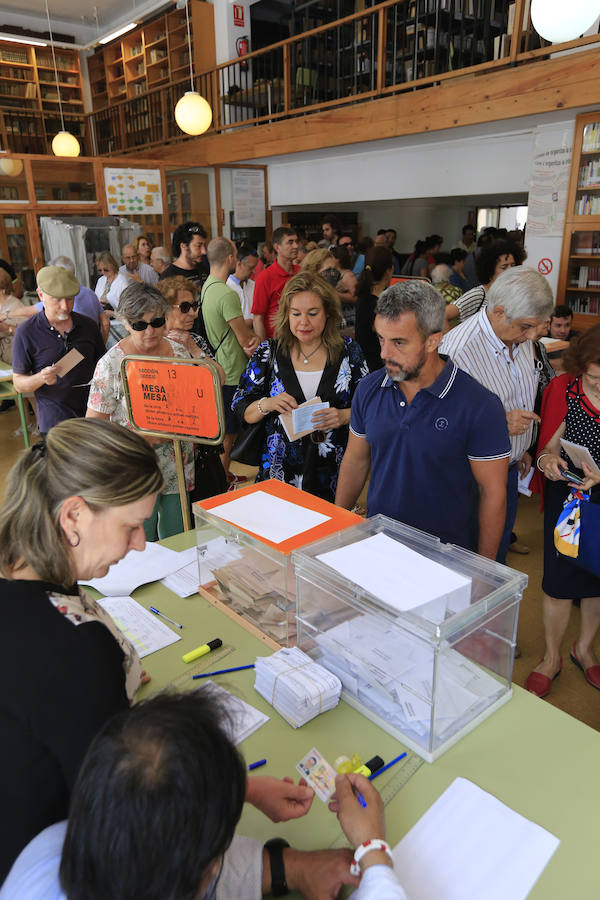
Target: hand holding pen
359,823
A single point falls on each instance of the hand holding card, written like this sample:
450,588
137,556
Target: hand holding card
318,773
67,362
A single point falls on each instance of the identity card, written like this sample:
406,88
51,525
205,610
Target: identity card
318,773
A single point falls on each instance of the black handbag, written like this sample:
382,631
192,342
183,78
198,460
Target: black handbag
249,444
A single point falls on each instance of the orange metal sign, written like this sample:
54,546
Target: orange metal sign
179,398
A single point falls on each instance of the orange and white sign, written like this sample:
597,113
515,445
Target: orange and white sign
177,398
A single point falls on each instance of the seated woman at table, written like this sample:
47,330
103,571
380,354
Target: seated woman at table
570,410
73,506
309,359
182,296
8,304
142,310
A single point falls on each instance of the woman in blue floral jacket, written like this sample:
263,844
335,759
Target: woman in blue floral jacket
309,359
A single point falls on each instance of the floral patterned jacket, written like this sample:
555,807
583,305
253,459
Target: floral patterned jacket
307,465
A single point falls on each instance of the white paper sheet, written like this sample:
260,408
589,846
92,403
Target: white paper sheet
524,482
269,517
146,631
244,719
302,416
137,568
578,453
470,846
399,577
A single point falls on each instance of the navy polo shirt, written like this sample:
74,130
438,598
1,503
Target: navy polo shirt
420,452
37,344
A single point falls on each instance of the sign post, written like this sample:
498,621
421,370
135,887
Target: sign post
175,399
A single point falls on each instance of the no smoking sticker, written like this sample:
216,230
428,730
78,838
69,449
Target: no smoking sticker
545,266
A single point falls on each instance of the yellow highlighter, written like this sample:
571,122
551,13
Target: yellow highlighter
202,651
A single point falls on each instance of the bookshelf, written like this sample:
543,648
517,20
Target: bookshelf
153,55
579,277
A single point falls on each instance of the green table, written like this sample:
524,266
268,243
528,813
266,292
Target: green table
536,759
8,392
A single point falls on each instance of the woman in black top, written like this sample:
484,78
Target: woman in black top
373,280
73,506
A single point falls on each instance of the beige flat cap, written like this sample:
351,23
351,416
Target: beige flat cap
57,282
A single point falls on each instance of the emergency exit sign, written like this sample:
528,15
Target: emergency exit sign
238,15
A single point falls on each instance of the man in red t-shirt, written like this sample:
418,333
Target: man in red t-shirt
271,282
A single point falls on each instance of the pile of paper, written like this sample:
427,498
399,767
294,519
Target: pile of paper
241,720
257,588
393,674
296,686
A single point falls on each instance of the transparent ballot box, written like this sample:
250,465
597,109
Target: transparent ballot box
244,540
421,633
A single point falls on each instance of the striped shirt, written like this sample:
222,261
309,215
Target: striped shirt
470,302
475,347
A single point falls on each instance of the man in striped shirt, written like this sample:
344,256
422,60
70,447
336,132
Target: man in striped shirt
495,347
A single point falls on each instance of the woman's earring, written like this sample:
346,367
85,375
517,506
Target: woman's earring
74,540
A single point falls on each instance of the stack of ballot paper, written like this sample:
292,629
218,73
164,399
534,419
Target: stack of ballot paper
242,719
258,588
296,686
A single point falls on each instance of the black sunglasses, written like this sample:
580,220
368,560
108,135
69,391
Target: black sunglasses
154,323
186,306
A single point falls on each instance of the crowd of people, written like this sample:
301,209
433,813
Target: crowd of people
440,394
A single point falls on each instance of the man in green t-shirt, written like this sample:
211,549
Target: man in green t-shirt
227,331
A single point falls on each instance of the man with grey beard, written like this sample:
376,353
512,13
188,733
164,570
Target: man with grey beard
434,439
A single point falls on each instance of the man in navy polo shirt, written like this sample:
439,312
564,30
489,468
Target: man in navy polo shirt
45,338
435,440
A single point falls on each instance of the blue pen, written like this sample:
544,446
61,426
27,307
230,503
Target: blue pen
392,763
361,800
157,612
223,671
257,765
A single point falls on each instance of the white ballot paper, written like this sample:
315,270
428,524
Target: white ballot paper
296,686
470,846
302,416
400,577
244,719
145,631
137,568
578,453
269,517
524,482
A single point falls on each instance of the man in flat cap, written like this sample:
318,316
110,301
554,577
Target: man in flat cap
46,338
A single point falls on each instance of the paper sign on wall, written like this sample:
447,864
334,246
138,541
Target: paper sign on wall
249,198
133,192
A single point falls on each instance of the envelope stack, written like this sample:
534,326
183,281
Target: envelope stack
296,686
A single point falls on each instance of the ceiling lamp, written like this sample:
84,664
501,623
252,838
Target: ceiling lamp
64,143
11,167
557,21
192,112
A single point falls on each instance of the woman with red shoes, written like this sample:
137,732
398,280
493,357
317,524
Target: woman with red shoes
570,410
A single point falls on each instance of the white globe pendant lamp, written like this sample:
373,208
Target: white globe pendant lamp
192,112
11,167
64,143
559,21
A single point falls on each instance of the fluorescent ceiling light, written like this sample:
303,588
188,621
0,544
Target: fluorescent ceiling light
116,34
17,40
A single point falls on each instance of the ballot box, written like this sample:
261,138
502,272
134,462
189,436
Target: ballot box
244,540
422,634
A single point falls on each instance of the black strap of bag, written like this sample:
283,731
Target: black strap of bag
202,324
250,441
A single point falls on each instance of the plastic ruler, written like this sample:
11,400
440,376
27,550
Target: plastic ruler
400,775
208,663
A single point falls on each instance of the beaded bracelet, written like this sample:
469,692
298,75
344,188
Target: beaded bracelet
262,411
366,847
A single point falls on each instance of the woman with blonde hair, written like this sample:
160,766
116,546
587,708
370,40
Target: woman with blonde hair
309,359
73,506
316,261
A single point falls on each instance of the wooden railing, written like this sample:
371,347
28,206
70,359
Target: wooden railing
395,46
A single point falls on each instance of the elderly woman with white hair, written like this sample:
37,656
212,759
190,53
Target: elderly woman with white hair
142,309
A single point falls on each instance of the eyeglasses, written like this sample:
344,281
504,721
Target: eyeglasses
153,323
345,244
186,306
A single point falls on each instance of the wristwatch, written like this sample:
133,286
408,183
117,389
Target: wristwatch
275,847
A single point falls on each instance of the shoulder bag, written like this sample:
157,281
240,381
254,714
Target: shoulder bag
249,444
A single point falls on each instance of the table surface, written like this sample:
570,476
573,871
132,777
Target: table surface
521,754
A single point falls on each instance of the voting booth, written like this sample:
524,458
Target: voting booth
244,540
421,634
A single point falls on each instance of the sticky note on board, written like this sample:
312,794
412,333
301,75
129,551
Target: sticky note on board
153,188
111,189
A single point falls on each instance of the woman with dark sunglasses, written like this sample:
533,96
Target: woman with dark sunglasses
143,310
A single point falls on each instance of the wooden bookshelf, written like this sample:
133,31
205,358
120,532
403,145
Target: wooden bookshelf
579,277
152,55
